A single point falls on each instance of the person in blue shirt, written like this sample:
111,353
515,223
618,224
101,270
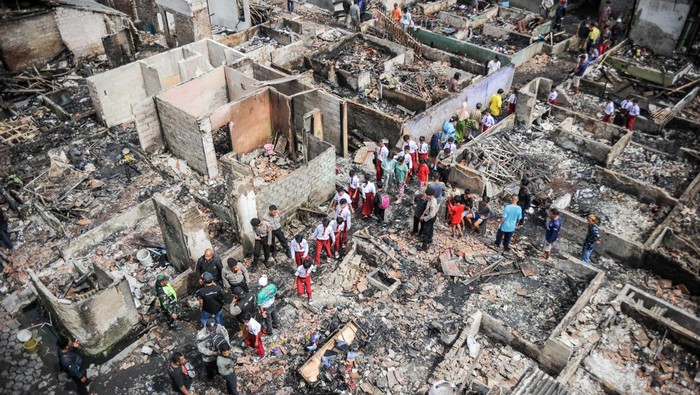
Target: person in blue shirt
592,238
448,129
511,215
552,233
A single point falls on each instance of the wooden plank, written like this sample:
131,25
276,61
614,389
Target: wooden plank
309,371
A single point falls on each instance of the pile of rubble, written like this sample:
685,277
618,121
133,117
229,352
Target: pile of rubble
655,168
646,57
259,40
268,167
361,56
670,141
420,79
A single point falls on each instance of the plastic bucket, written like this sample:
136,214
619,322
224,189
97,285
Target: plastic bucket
144,256
443,387
269,148
31,345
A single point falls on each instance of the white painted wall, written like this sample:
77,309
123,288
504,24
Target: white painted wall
81,31
658,24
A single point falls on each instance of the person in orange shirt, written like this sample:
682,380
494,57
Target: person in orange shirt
456,211
396,13
423,173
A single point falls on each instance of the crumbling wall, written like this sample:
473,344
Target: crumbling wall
330,107
313,183
112,93
199,96
100,321
81,31
30,41
480,91
148,125
657,24
372,123
191,21
249,119
226,13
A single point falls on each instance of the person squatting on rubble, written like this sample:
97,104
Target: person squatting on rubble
226,366
209,339
354,189
254,337
181,374
552,232
324,236
476,217
302,278
211,300
428,220
273,218
236,275
591,240
266,304
71,363
512,213
4,231
263,240
167,299
299,249
242,302
209,262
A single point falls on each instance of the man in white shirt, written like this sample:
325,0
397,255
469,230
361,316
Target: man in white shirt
412,150
300,249
609,111
381,154
494,64
546,6
487,120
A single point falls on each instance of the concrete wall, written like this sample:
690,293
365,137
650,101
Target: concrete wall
191,20
480,91
100,321
226,13
466,49
331,110
148,125
29,41
198,97
657,24
373,124
81,31
112,93
250,120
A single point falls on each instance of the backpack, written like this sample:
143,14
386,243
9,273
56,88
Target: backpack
384,202
217,341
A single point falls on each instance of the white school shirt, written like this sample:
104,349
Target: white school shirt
324,234
337,197
552,95
382,153
488,120
512,98
626,104
610,108
300,247
494,65
412,146
368,188
253,327
452,147
424,148
408,160
353,182
634,110
346,215
303,272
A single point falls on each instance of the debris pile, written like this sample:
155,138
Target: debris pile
359,56
258,41
269,167
647,58
421,79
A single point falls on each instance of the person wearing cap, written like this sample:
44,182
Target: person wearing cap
209,340
226,366
210,263
236,275
167,298
273,218
493,65
266,304
616,32
496,103
72,364
299,249
302,278
254,337
263,240
243,302
524,198
448,129
211,300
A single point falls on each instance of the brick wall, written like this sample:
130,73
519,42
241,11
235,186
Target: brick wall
330,107
113,91
313,183
182,135
30,41
81,31
148,125
373,124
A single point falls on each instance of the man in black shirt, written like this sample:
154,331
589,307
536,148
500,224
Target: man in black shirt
210,263
243,302
71,363
524,198
420,204
179,374
211,300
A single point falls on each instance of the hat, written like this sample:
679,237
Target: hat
232,262
619,20
238,291
262,281
454,118
211,323
161,277
208,277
